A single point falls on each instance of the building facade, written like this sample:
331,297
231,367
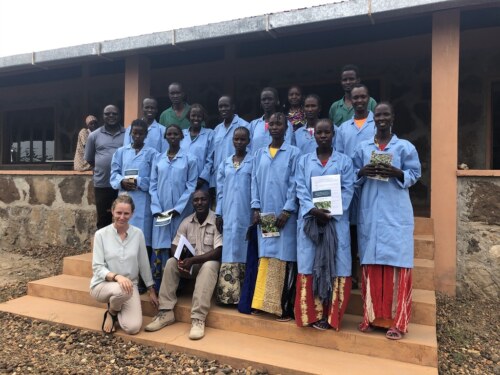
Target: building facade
438,62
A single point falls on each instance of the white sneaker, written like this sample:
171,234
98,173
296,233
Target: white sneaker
162,319
197,329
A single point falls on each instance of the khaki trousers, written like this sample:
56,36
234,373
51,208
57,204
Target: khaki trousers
206,279
127,305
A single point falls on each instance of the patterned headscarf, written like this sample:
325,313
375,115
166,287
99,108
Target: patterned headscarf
89,119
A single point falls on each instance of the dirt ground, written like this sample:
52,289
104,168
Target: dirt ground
468,334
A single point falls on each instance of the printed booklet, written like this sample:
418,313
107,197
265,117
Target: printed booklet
184,250
380,158
131,174
268,225
327,194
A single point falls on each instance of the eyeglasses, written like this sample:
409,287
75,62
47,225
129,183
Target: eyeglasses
110,113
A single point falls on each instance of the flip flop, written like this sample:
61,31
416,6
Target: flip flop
283,319
321,325
114,319
394,334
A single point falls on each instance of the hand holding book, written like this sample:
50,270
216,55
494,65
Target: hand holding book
184,253
381,168
268,225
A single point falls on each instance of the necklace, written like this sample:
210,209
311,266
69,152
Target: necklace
236,163
171,155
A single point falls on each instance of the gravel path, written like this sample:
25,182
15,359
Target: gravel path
468,334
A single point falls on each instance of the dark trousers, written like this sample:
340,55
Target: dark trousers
104,198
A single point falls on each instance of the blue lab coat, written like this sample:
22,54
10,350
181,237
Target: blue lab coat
154,139
172,184
309,166
202,149
233,204
274,190
347,138
223,144
260,137
385,216
125,158
304,140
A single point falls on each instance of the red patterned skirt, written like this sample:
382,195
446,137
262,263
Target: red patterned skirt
386,292
309,309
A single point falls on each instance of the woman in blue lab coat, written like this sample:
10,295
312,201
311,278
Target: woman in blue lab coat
324,265
234,217
259,128
385,225
198,142
274,192
173,181
136,156
304,136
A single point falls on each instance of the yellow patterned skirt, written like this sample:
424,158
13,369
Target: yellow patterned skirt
271,276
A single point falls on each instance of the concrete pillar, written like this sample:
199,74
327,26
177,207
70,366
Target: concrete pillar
444,139
137,86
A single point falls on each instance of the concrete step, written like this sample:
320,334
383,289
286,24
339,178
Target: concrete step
75,289
78,265
423,309
423,273
418,347
241,350
424,225
423,246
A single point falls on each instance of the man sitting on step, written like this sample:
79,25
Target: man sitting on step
201,231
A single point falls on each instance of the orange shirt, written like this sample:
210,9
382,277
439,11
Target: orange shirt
359,122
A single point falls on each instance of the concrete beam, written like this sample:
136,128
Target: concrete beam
274,24
444,145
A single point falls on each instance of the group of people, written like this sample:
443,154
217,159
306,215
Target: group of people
268,247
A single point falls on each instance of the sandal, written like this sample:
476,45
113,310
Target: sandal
283,319
394,334
256,312
114,320
321,325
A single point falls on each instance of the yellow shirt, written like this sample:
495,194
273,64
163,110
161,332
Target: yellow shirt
273,151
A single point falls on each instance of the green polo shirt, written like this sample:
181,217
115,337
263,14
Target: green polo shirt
169,117
340,113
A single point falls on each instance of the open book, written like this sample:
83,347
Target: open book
184,250
164,218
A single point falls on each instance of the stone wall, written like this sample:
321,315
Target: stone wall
46,210
478,236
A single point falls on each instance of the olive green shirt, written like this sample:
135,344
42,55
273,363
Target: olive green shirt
340,113
169,117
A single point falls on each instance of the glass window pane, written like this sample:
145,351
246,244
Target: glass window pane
29,130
